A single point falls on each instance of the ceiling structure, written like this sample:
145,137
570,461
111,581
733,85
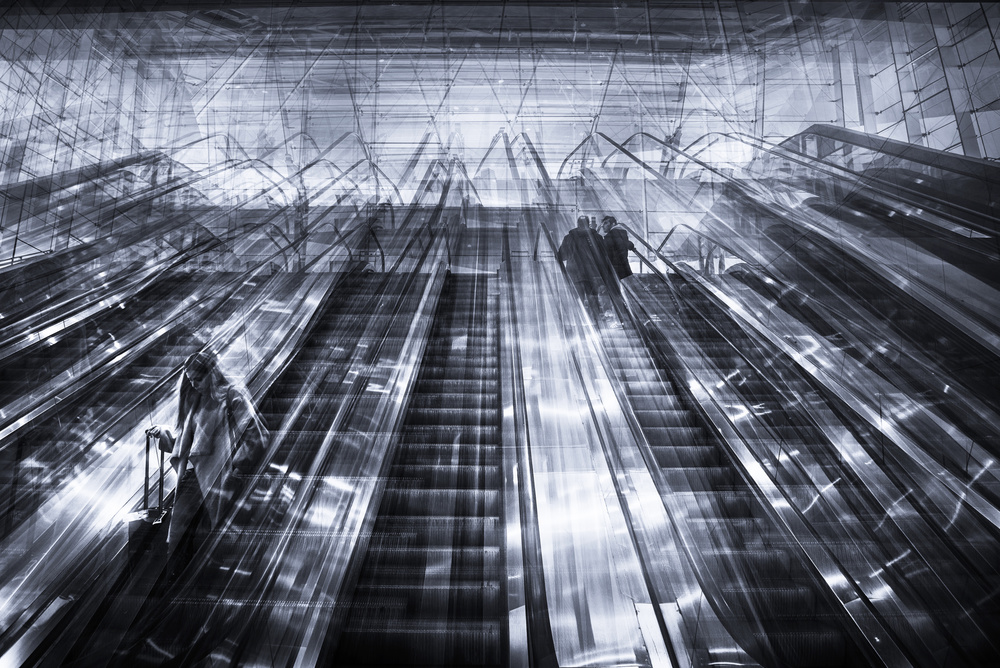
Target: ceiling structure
260,73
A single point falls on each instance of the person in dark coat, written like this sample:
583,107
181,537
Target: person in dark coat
617,245
585,258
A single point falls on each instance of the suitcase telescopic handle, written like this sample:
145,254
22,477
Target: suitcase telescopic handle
145,478
160,454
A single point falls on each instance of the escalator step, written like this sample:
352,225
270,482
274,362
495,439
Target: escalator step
664,417
434,454
742,532
733,503
675,436
458,385
635,375
687,456
448,417
470,434
810,646
458,373
393,602
789,601
442,531
412,643
463,341
704,479
654,401
454,400
444,474
411,564
765,565
441,502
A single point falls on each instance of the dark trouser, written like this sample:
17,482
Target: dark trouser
598,295
589,291
189,525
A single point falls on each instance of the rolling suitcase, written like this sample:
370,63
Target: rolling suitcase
147,528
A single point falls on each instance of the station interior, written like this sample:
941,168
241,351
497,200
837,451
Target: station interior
773,444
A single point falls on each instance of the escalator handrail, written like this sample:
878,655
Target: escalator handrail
213,241
932,157
943,309
358,385
824,165
634,428
541,646
729,436
162,385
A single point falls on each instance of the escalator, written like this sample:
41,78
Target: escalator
909,332
49,359
922,332
928,217
317,371
317,355
955,185
72,552
935,594
428,590
764,591
222,582
65,430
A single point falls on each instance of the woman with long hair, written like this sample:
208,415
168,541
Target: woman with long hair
219,433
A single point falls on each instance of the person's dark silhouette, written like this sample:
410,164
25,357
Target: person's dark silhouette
585,258
617,245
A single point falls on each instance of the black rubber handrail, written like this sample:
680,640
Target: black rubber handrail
905,193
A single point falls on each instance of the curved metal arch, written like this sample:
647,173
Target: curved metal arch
302,133
330,165
344,174
530,146
354,187
399,196
496,138
318,222
589,138
336,142
277,184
